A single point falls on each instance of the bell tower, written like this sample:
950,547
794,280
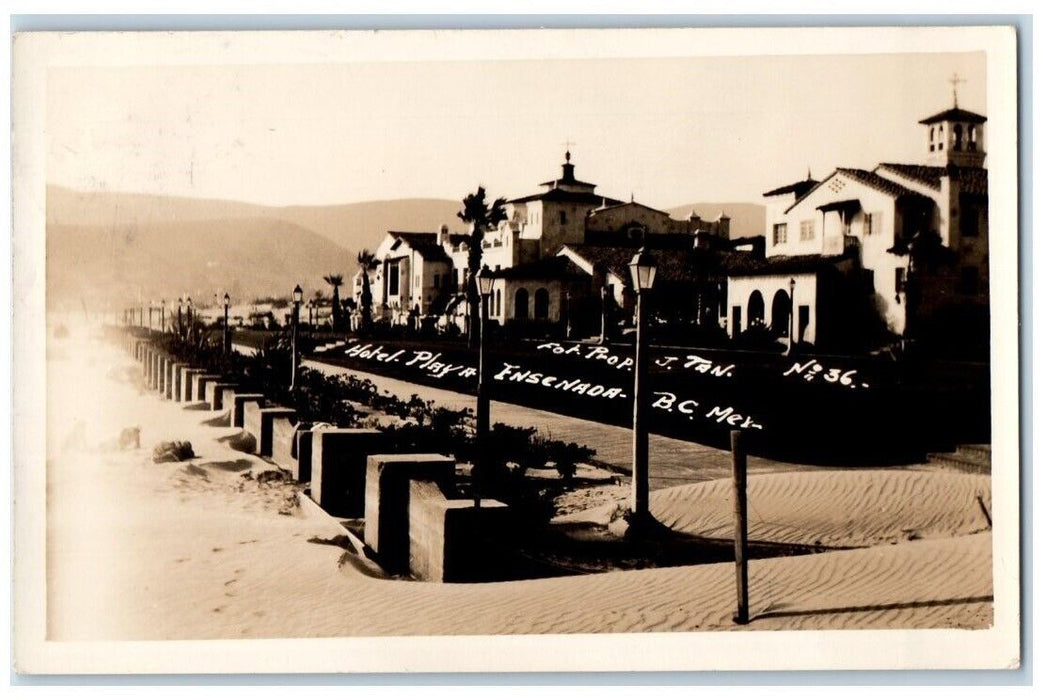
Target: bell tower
955,136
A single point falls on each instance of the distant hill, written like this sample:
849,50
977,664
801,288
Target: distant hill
363,224
117,244
747,219
246,257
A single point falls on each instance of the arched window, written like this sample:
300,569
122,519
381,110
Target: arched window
541,304
957,137
521,303
780,310
496,303
755,309
972,138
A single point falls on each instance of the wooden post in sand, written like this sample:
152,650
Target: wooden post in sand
742,615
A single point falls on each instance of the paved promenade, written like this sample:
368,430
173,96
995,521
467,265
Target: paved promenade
671,462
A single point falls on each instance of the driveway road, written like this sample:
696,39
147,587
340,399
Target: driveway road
671,461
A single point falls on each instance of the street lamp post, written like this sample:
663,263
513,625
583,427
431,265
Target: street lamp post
188,316
568,314
298,296
604,315
485,288
792,307
642,273
228,331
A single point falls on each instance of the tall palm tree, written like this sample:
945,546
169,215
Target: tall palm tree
335,281
365,259
482,218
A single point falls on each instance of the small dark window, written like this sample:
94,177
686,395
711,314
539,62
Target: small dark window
868,224
899,280
561,217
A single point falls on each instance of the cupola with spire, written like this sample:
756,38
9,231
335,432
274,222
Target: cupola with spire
955,136
568,181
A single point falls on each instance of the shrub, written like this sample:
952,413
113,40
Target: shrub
427,428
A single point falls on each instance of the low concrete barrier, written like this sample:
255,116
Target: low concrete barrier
258,422
150,367
164,374
450,540
338,468
387,501
215,394
239,403
188,375
284,431
201,380
303,456
174,381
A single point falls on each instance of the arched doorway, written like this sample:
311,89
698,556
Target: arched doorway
541,304
521,303
780,310
755,310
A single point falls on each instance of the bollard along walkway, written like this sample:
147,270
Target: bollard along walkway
672,462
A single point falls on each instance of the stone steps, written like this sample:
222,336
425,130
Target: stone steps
980,452
974,459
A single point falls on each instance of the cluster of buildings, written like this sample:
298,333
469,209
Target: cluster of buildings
834,251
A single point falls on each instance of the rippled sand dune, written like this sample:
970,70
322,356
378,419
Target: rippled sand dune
205,550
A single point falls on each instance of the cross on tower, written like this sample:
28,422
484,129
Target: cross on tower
955,80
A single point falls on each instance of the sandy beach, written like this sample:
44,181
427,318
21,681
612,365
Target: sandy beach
219,548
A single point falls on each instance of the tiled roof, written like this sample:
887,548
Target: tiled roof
560,195
972,180
568,181
423,243
557,267
781,264
954,114
653,239
878,182
676,266
797,188
609,204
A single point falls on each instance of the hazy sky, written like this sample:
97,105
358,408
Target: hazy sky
671,131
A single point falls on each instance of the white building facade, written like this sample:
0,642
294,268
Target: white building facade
857,225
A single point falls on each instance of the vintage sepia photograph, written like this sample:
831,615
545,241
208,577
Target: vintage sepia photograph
516,350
